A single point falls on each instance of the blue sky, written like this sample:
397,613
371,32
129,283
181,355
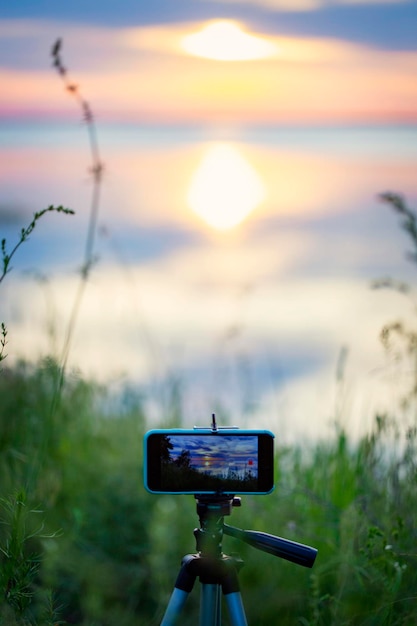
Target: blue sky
386,24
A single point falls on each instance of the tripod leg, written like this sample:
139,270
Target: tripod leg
175,604
183,586
236,610
210,606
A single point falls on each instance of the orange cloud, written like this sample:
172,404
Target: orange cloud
144,75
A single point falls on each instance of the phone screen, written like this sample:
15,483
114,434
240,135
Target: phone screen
209,462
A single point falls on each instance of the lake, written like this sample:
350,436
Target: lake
270,322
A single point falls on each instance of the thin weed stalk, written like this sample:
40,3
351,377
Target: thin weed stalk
24,236
7,256
96,170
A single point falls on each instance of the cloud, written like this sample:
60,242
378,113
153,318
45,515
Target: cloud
278,5
144,73
305,5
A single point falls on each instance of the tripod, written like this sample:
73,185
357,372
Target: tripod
218,572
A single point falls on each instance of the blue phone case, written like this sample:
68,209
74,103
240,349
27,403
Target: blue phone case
202,461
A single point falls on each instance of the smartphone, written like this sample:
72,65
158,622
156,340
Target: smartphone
204,461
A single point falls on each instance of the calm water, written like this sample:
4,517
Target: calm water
252,320
370,140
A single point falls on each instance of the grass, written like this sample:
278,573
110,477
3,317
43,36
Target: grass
82,542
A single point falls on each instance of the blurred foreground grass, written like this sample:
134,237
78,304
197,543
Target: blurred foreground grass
82,542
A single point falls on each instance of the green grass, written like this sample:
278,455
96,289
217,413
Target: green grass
82,542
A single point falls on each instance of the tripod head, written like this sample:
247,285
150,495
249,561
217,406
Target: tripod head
211,511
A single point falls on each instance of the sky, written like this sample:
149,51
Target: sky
217,455
336,61
244,146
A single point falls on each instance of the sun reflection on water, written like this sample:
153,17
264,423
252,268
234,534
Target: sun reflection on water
225,188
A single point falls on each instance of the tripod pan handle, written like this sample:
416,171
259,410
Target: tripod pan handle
284,548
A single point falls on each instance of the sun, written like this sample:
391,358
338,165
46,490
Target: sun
225,188
224,40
